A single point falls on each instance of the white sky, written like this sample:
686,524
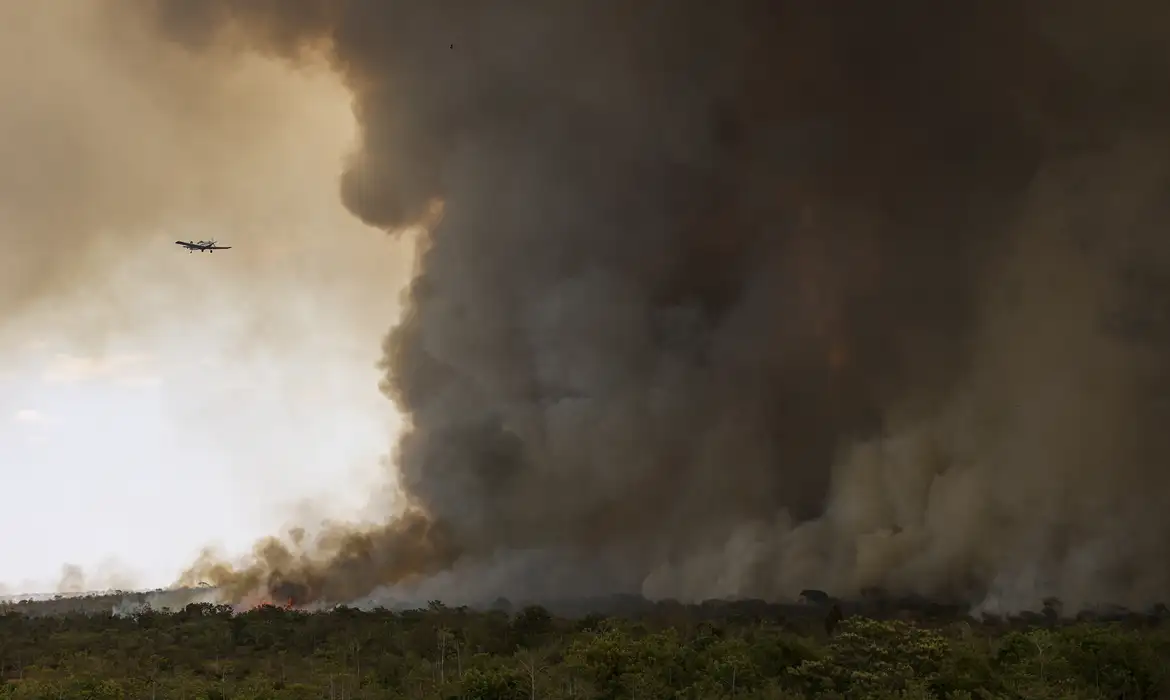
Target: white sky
166,401
170,441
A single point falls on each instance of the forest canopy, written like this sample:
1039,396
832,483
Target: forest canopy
745,649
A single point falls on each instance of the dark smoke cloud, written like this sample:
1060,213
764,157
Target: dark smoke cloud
746,297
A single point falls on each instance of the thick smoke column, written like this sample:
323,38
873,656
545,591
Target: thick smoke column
745,297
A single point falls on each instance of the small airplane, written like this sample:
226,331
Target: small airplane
201,246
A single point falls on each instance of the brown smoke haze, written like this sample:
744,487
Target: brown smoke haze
747,297
115,142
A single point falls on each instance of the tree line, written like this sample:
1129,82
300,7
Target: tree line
669,650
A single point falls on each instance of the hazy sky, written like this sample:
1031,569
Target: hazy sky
152,401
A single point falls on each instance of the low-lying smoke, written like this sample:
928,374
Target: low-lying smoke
743,298
110,575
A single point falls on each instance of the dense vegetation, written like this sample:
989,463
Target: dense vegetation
667,650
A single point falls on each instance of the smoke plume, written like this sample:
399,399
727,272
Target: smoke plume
742,298
109,575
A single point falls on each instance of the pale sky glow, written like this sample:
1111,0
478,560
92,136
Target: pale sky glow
155,402
148,457
28,415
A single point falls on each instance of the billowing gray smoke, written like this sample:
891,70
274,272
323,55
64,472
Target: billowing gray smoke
752,296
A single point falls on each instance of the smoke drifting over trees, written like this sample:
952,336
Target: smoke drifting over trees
750,297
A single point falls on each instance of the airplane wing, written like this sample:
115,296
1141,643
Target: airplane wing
218,247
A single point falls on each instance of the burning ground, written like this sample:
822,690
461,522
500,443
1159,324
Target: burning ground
743,298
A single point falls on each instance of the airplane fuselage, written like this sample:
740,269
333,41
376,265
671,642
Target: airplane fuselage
201,246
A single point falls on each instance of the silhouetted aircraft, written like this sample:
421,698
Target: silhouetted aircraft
201,246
